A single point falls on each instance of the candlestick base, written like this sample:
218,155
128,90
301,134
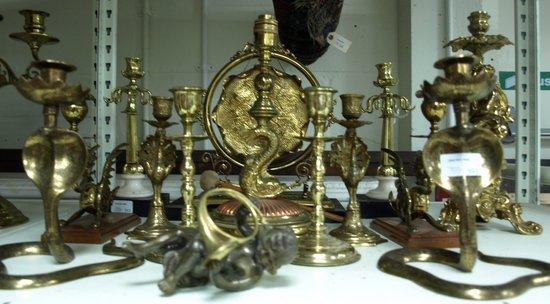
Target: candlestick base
134,186
317,248
357,234
386,184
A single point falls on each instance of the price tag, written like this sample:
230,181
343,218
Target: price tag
461,164
122,206
338,41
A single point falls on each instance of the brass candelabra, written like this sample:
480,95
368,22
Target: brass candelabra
491,113
349,154
188,102
316,247
390,106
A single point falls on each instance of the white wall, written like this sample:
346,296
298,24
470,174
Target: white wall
380,32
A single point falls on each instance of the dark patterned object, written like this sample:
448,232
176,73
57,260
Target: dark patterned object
305,24
185,263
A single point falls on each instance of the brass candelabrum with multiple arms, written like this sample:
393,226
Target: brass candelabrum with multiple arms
188,102
463,159
134,93
316,247
157,156
492,113
131,181
390,106
349,155
54,160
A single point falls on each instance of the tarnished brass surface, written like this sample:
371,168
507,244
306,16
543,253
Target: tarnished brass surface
188,102
157,156
317,247
491,113
461,87
134,93
34,35
390,106
10,215
349,154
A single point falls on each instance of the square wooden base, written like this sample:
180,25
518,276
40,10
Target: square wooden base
113,224
424,236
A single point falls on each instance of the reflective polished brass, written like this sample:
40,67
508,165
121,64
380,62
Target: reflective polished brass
390,106
188,102
34,35
157,157
349,154
317,247
74,114
134,92
492,113
464,143
260,117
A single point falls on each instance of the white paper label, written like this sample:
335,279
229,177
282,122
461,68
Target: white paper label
461,164
122,206
338,41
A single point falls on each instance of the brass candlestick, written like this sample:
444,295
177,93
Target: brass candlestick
463,159
316,247
133,91
34,35
54,160
188,103
492,113
10,215
158,157
349,154
390,105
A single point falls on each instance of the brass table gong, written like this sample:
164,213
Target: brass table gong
260,117
462,159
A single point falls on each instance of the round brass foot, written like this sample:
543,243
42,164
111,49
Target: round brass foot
276,212
151,230
321,249
357,235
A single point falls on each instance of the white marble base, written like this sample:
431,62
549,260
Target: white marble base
134,186
386,184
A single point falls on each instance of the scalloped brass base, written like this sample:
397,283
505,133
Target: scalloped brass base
321,249
358,235
151,230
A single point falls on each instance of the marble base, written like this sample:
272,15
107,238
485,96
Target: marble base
134,186
386,184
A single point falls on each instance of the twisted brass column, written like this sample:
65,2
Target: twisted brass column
317,247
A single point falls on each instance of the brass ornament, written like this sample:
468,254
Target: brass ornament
317,247
260,117
54,160
188,102
445,155
206,253
34,35
390,106
134,93
349,154
491,113
157,156
10,215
